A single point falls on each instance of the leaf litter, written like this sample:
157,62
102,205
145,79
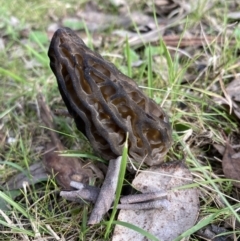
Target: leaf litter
231,164
180,208
64,169
168,14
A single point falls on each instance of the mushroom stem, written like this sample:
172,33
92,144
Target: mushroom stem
107,192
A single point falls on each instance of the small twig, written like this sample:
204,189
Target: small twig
19,225
13,226
145,205
107,192
136,198
81,186
80,195
84,192
179,41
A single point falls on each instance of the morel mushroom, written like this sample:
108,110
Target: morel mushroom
106,104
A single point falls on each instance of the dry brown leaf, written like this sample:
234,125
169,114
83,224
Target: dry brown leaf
234,15
232,91
226,94
64,169
219,147
36,173
166,224
162,7
231,164
2,45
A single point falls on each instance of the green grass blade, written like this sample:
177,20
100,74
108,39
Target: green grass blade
90,41
150,73
7,111
213,184
13,204
43,59
14,165
169,61
83,155
137,229
129,59
84,222
59,132
15,229
12,75
119,187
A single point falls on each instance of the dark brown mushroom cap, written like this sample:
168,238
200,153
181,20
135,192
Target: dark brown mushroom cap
106,104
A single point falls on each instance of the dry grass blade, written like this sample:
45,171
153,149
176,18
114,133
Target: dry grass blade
35,174
202,39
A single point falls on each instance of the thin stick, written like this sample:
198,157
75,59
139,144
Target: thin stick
107,192
164,204
136,198
89,195
80,186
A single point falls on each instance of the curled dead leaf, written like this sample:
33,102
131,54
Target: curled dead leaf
231,164
180,209
233,97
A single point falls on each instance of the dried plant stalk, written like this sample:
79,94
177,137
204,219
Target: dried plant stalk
142,197
107,193
145,205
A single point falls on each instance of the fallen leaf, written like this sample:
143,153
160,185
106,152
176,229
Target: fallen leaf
210,232
165,223
233,91
231,164
162,7
2,45
220,148
64,169
234,15
36,173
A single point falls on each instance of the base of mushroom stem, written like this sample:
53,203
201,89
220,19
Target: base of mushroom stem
104,197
